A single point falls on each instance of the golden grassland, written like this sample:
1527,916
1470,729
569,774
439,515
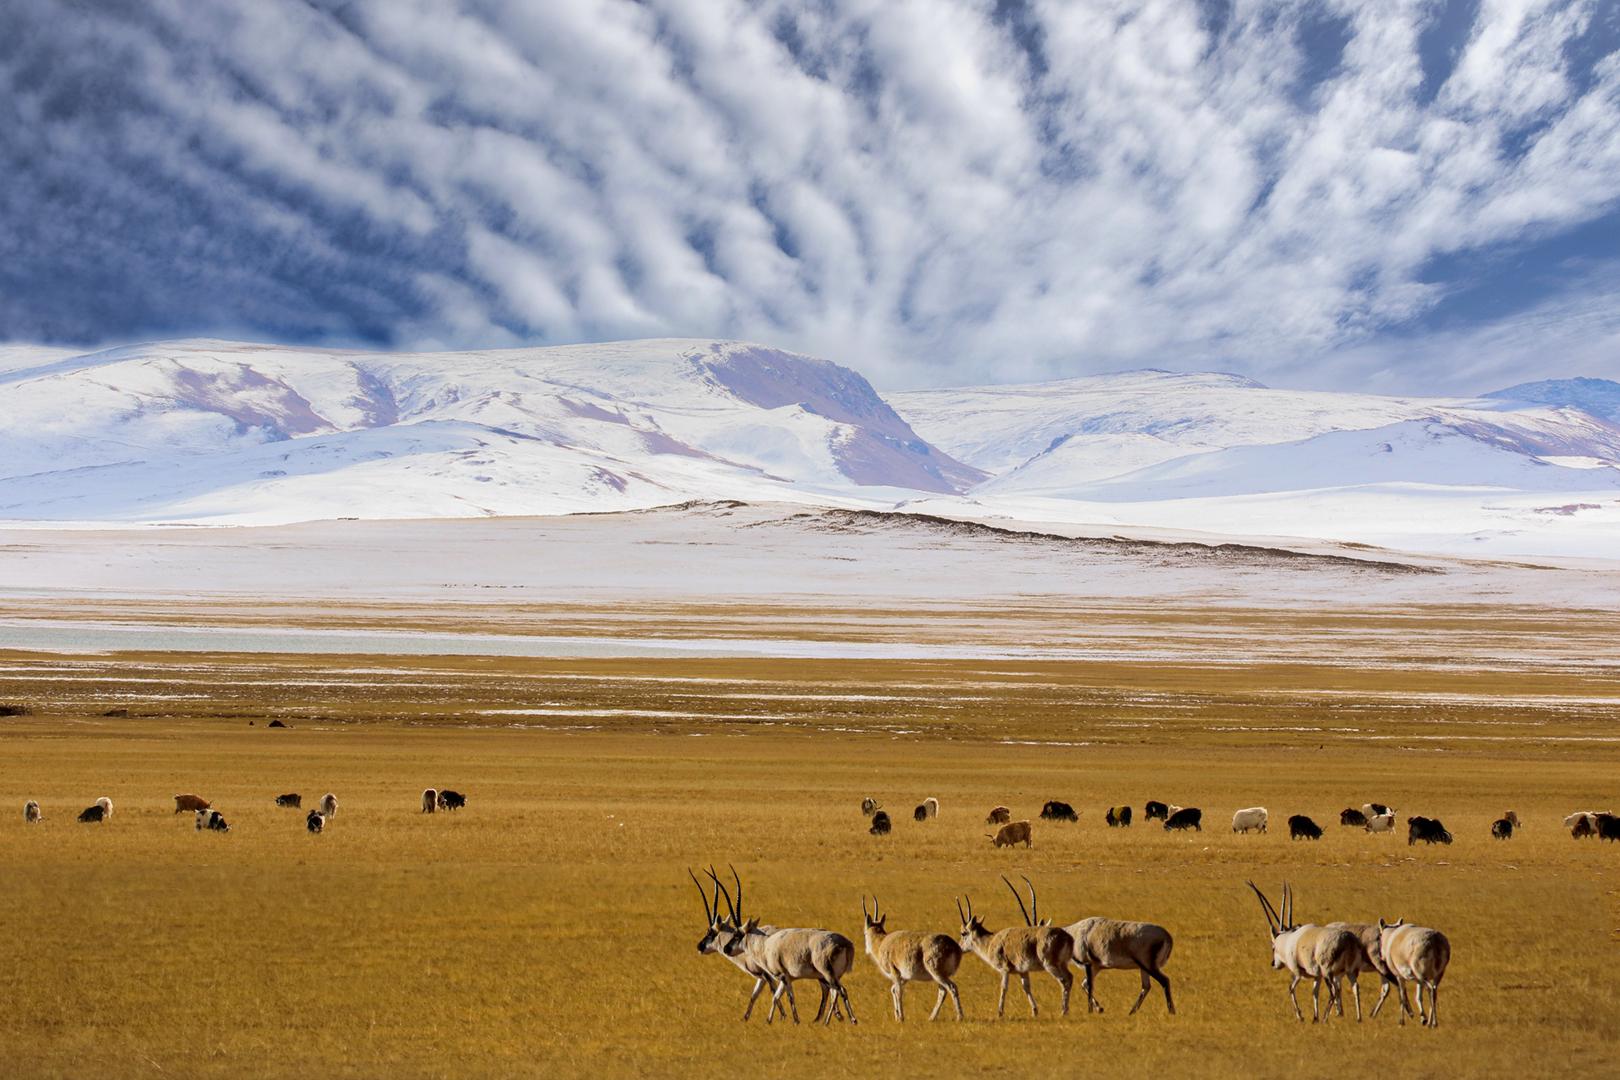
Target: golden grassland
550,928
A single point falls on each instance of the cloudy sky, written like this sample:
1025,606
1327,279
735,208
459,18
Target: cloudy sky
1396,194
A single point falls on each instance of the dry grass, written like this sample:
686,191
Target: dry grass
549,928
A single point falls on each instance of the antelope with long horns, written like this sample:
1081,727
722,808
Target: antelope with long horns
1020,950
1415,954
912,956
792,954
725,927
1320,953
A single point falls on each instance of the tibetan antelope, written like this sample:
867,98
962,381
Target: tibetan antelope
1020,950
787,955
1368,958
1101,944
720,930
912,956
1415,954
1320,953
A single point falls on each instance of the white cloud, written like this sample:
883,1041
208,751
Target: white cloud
894,183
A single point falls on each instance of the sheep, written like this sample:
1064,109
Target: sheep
1300,826
1321,953
1118,817
1155,811
1020,950
430,800
1381,823
870,806
1183,818
1058,811
880,824
998,815
1502,829
904,956
1429,830
190,804
451,800
1348,816
31,812
315,821
329,805
292,799
212,820
1255,817
1415,954
1014,832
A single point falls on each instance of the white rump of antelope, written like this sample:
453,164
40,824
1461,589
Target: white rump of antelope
1319,953
1415,954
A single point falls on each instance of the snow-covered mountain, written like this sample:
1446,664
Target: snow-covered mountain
220,431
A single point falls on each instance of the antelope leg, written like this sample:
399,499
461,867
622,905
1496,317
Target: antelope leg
899,992
1316,990
1001,1002
1091,998
1291,997
759,984
793,1006
1023,979
1355,992
1146,984
1434,1004
956,999
938,1003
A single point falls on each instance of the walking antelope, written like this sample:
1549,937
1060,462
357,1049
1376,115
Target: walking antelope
1101,944
723,928
912,956
1321,953
787,955
1020,950
1415,954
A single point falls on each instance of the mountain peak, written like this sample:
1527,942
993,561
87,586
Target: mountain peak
1600,397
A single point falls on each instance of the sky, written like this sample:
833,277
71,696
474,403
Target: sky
1395,195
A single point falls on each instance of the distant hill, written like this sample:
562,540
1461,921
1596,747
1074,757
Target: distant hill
1600,397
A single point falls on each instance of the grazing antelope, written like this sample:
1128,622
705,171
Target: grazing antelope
1101,944
1415,954
912,956
1255,817
999,815
1014,832
1321,953
1020,950
1118,817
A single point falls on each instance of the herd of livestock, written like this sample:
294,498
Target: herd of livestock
1329,954
1371,817
212,820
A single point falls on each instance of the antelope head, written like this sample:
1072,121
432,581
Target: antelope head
721,926
1278,923
972,926
734,943
874,920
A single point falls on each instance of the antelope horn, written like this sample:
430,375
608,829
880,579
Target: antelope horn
1034,905
864,914
958,900
738,880
1288,905
708,910
1265,906
723,892
1018,898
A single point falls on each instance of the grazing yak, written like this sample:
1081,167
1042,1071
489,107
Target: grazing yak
212,820
1350,816
1014,832
1301,826
315,821
1255,817
869,806
931,804
999,815
430,800
1502,829
190,804
1589,816
920,814
1381,823
1608,827
1058,811
31,812
1152,811
292,799
1118,817
101,811
451,800
1429,830
329,805
1583,827
1185,817
880,824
